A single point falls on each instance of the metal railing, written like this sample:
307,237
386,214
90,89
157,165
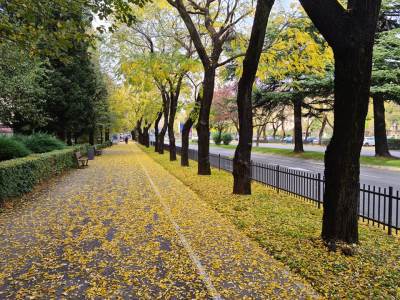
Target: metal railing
378,206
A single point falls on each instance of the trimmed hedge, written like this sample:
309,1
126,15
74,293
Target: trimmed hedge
19,176
394,144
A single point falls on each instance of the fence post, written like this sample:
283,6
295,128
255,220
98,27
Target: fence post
319,190
219,162
277,178
390,210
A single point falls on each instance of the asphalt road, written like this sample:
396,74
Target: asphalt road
369,175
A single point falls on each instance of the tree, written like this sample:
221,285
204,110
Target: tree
296,52
219,19
350,32
385,72
220,117
23,84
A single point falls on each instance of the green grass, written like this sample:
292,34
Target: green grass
365,160
288,229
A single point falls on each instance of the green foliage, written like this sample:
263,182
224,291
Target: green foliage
23,83
227,138
386,65
19,176
41,143
11,148
217,138
394,144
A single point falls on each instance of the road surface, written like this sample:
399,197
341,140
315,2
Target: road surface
369,175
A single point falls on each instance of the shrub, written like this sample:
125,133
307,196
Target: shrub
41,143
11,148
394,144
227,138
19,176
217,138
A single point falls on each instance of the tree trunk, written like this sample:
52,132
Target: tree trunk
283,129
139,132
133,133
342,158
186,131
101,134
203,125
69,138
174,97
298,129
171,133
321,131
161,136
76,139
107,134
350,32
381,143
146,137
156,130
91,136
242,158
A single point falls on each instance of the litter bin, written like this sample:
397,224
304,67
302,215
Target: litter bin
90,153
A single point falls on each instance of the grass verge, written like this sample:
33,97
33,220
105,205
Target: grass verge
288,228
364,160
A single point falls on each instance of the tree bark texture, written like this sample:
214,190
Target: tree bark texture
321,131
187,126
350,32
161,136
381,143
298,128
203,125
242,158
156,130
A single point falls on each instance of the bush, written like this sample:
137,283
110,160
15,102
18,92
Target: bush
41,143
394,144
217,138
19,176
227,138
11,148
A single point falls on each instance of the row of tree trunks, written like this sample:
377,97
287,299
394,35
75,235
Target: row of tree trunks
298,128
242,159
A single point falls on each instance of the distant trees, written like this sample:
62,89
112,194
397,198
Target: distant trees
210,24
385,71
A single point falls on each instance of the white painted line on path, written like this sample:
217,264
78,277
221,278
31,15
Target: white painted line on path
196,261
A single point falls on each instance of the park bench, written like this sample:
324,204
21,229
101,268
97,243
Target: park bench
82,160
97,151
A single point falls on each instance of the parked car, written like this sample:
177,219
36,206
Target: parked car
310,140
288,140
369,141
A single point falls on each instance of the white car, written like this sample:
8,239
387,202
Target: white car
369,141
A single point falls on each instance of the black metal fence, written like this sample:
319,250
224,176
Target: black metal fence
378,206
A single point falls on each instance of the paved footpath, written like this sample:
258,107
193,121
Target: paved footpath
124,228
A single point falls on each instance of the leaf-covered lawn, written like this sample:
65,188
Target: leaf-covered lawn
289,228
392,162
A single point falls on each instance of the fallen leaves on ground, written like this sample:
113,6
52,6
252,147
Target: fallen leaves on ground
288,228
